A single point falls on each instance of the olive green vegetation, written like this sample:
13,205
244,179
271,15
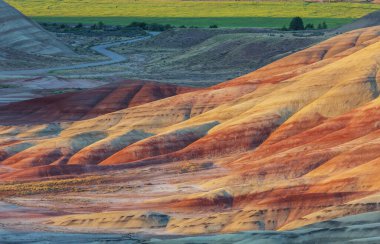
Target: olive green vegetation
64,185
193,13
268,22
3,86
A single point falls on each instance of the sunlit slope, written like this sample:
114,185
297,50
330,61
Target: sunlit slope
277,101
293,143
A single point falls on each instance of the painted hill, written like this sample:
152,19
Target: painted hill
87,104
357,229
21,34
293,143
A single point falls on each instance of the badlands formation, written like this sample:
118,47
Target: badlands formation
25,45
21,35
89,103
291,144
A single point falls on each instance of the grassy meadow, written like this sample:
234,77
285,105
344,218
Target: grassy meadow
192,13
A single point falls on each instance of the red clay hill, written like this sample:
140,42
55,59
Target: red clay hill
290,144
87,104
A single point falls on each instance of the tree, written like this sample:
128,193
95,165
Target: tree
309,27
296,24
213,26
168,27
100,25
141,25
324,25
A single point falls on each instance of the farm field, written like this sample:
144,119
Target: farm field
193,13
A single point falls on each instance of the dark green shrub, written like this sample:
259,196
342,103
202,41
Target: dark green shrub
322,26
79,26
309,27
296,24
150,27
284,28
100,25
142,25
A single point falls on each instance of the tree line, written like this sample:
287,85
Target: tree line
297,24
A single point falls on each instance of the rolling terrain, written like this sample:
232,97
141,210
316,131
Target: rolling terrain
217,54
354,229
88,104
288,145
201,57
361,228
25,44
22,34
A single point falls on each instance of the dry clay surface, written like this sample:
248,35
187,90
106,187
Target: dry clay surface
293,143
361,228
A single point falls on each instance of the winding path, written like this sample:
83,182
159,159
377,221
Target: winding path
102,49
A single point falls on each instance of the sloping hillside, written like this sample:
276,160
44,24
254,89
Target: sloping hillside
245,50
359,228
211,56
290,144
372,19
22,34
87,104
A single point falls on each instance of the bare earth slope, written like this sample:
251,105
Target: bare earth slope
369,20
22,34
362,228
293,143
87,104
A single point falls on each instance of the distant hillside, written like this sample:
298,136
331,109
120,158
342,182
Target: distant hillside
369,20
88,103
19,33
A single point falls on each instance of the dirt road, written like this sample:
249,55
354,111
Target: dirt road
102,49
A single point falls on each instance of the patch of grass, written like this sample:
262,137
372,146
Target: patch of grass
58,92
97,29
50,186
3,86
192,167
192,13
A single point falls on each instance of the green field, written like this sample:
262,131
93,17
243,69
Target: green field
192,13
198,22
